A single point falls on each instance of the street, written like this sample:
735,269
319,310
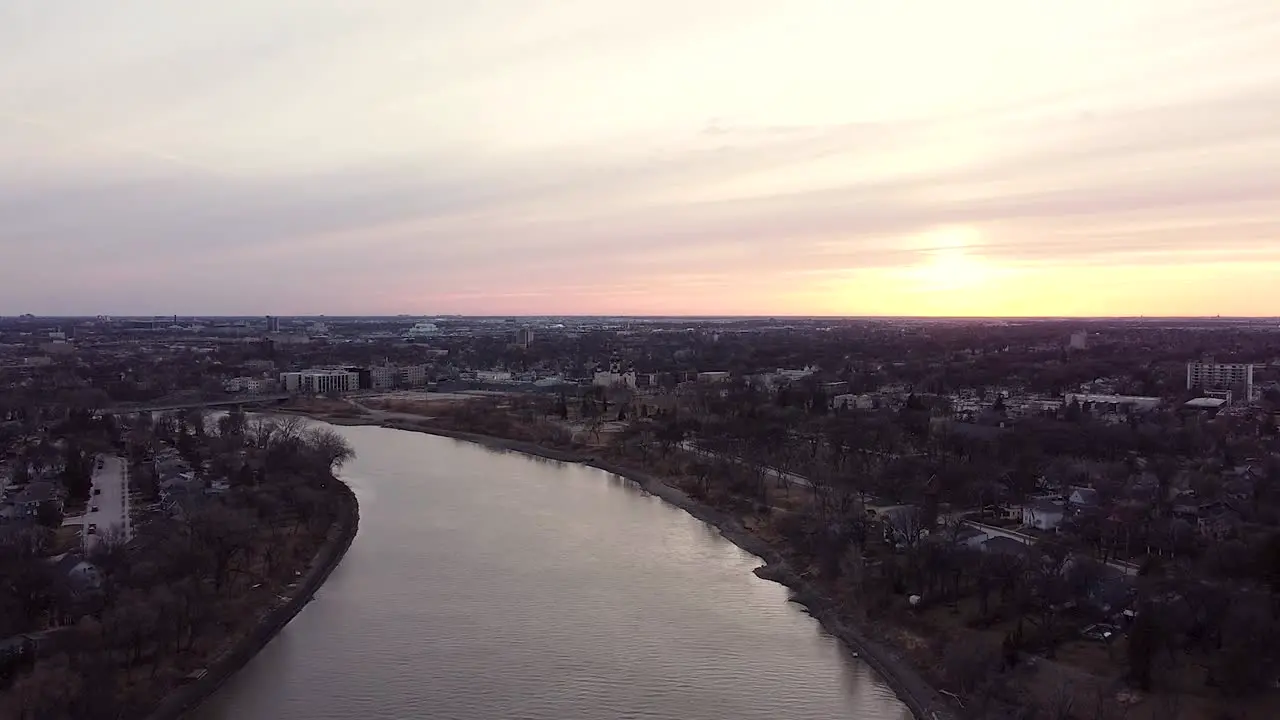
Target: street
108,513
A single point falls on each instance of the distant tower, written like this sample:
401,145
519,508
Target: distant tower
1079,340
524,337
273,324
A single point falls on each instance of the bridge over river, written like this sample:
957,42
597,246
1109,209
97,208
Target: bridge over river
162,406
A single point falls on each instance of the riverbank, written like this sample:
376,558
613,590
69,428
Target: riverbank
907,683
341,534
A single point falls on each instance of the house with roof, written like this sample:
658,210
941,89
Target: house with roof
26,503
1043,514
1110,594
1217,519
1082,497
73,572
963,536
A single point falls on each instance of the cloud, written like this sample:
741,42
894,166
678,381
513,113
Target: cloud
430,157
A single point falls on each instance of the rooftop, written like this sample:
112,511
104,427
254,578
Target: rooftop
1205,403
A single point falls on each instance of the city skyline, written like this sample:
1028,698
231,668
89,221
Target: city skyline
601,158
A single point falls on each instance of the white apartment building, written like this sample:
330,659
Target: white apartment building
493,376
422,329
319,382
614,379
1210,375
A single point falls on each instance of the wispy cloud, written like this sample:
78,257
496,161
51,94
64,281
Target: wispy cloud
590,157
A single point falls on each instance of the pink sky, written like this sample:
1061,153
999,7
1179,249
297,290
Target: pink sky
994,157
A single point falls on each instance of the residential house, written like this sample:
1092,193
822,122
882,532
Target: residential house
75,573
1217,520
1110,594
1083,497
963,536
28,500
1043,515
184,504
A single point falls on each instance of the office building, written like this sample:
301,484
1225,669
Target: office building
524,337
273,324
383,377
1079,340
320,382
412,376
1209,375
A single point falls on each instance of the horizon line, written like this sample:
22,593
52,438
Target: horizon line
729,316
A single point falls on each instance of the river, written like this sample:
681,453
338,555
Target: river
486,585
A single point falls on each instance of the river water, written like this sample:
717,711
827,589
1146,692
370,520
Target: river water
486,585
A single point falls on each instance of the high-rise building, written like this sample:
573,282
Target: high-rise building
273,324
524,337
1079,340
1209,375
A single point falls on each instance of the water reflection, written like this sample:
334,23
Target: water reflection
489,585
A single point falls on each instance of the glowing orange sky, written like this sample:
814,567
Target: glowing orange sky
995,157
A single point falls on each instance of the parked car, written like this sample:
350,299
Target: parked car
93,508
1101,632
93,529
97,491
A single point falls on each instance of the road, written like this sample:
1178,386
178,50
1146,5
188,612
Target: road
191,404
789,477
108,512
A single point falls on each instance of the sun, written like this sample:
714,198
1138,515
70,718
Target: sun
949,261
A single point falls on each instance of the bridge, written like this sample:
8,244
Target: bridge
193,404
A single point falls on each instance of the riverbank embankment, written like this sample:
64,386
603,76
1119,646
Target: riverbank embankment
342,533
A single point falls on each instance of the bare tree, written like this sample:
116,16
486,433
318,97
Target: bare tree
1062,702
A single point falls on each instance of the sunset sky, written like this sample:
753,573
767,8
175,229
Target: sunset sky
904,157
